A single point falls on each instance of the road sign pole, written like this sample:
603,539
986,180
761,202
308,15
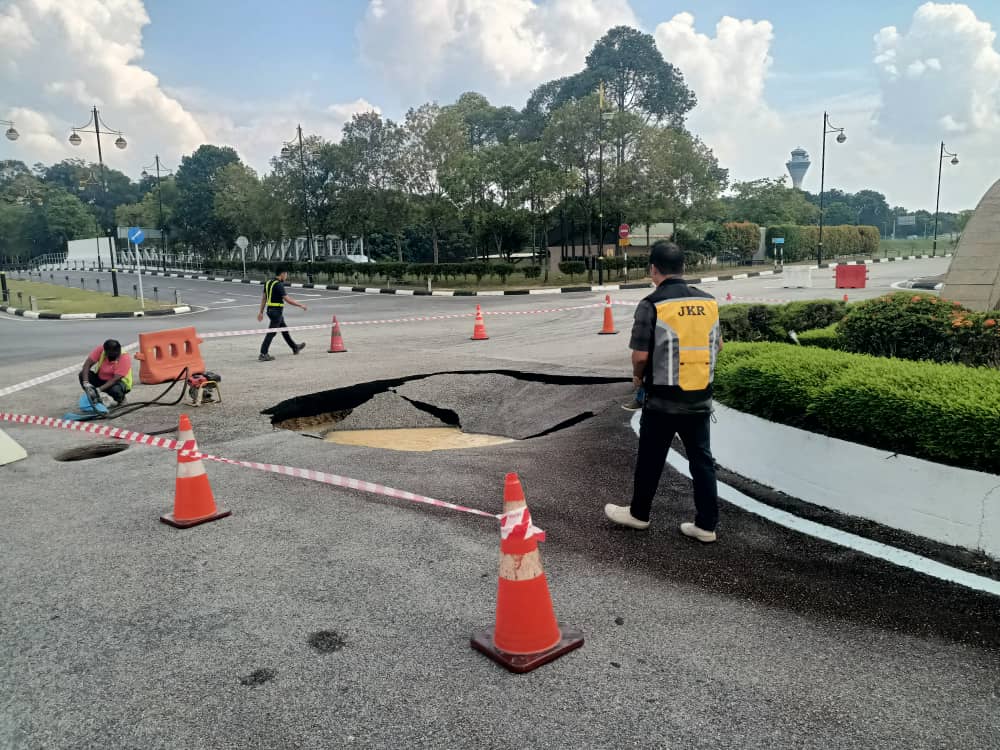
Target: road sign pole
138,272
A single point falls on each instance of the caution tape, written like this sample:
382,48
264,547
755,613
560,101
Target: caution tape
312,327
289,471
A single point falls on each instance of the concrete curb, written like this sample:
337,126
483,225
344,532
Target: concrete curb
92,316
509,292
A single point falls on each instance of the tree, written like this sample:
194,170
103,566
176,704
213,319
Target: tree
197,184
242,201
769,201
37,218
103,191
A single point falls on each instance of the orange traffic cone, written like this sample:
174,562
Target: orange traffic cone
609,321
193,499
336,340
845,298
479,331
526,634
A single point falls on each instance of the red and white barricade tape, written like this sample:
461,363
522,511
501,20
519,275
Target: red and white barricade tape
288,471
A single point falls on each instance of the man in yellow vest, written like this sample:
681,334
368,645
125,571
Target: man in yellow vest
675,341
108,370
273,300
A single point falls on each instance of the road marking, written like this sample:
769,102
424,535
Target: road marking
223,301
869,547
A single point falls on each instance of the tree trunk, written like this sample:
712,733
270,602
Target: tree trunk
399,248
434,241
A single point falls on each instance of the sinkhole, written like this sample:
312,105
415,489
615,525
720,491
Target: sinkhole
451,410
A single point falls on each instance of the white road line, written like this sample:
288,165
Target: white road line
892,555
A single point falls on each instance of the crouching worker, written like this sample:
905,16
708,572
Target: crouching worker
108,370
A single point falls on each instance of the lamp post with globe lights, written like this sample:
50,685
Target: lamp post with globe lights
841,137
937,205
11,133
159,197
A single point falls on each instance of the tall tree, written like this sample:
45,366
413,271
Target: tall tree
769,201
197,183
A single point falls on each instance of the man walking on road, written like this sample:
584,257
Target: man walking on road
273,300
675,341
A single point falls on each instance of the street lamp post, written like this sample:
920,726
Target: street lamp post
120,143
937,204
827,130
92,181
286,151
159,198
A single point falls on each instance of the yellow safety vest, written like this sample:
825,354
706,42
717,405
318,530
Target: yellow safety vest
687,337
126,381
267,293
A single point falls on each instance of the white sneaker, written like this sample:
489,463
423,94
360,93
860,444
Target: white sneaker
706,537
622,515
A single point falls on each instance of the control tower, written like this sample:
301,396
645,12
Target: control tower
797,166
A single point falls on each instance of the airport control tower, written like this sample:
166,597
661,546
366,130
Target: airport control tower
798,165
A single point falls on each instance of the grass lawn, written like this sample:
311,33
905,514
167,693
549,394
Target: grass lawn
893,248
60,299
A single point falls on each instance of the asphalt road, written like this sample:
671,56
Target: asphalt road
319,617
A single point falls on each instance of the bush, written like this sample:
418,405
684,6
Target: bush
801,241
572,267
921,327
743,322
741,236
824,338
939,412
503,270
532,272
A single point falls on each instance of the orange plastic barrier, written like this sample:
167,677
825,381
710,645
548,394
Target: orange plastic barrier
851,277
164,354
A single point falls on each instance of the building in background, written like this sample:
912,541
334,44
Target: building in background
797,166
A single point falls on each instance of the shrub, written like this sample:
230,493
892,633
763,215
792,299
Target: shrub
939,412
532,272
741,236
824,338
921,327
743,322
801,241
503,270
572,267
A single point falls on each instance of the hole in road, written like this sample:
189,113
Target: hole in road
327,641
448,410
87,452
259,677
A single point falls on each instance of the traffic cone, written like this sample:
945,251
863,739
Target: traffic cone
336,340
845,298
609,322
526,634
479,331
729,297
193,499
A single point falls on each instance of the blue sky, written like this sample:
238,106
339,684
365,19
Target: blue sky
175,73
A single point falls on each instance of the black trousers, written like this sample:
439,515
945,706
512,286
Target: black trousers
117,391
656,433
277,317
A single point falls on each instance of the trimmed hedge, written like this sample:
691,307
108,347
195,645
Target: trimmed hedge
944,413
743,236
801,241
391,271
824,338
742,322
921,327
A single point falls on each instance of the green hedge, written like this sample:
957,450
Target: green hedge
390,272
921,327
939,412
824,338
742,236
742,322
801,241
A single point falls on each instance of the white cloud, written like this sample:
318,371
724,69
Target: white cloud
504,45
943,72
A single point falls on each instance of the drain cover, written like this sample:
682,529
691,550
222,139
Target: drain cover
87,452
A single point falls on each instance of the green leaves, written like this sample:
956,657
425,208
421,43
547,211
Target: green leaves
944,413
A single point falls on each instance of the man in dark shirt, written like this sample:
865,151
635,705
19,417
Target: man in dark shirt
273,300
675,341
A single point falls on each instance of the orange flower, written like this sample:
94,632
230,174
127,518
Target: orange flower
915,298
957,303
956,323
967,323
989,323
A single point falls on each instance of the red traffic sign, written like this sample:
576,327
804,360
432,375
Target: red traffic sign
624,230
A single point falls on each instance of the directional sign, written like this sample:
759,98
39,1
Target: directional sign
623,231
778,240
242,242
136,235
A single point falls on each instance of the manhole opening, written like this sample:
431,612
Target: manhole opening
327,641
87,452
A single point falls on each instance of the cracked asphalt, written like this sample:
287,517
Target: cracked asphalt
319,617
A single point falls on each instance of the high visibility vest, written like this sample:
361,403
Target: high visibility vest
126,381
268,288
686,342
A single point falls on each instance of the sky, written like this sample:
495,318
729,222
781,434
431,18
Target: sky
899,76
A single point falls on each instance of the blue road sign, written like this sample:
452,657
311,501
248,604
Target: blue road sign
136,235
778,240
